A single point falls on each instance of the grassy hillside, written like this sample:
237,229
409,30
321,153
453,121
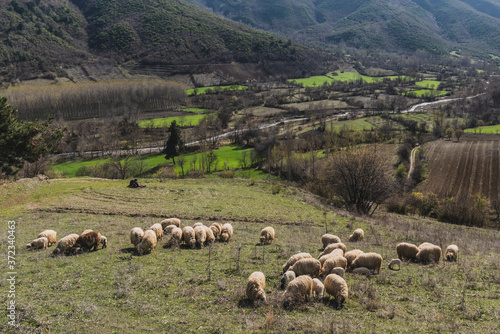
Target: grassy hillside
185,290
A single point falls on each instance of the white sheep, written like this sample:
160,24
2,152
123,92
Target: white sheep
368,260
429,253
148,242
333,262
136,235
307,266
336,286
51,236
406,251
104,241
188,236
210,238
38,243
327,239
393,263
200,235
198,224
362,271
267,235
170,221
158,229
294,258
338,271
287,278
318,288
298,290
352,255
256,284
328,249
357,235
175,237
167,230
226,233
65,245
452,253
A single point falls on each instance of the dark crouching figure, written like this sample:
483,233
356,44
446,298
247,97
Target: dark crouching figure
134,184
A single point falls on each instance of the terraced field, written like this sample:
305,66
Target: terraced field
470,166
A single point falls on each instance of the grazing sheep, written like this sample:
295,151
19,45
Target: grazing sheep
363,271
104,241
158,230
197,224
39,243
65,245
294,258
167,230
148,242
357,235
175,237
51,236
318,288
87,241
328,249
368,260
338,271
352,255
217,229
451,253
425,244
429,253
188,236
287,278
256,284
170,221
307,266
327,239
210,236
298,290
395,262
86,231
336,252
267,235
333,262
336,286
200,235
226,233
136,235
406,251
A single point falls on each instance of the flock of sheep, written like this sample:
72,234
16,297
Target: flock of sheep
70,244
302,274
198,235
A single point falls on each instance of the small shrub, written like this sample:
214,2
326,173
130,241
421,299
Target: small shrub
227,174
166,173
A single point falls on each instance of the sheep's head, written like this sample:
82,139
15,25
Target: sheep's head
104,241
450,257
261,295
29,245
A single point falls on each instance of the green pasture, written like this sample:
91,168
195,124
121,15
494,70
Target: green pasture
164,122
427,92
340,76
214,89
195,110
485,129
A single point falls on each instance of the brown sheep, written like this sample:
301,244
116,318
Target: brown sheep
175,237
357,235
336,286
200,235
256,284
51,236
451,253
89,240
267,235
294,258
217,229
170,221
148,242
210,236
66,244
298,290
333,262
158,229
352,255
226,233
429,253
406,251
327,239
335,253
307,266
136,235
188,236
368,260
331,247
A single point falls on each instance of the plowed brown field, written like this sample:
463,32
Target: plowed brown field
470,166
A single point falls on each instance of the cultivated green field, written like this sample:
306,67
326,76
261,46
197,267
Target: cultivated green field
485,129
428,92
164,122
210,89
200,291
338,76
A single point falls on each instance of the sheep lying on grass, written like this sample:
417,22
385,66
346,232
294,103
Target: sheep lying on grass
327,239
200,235
363,271
89,240
51,236
170,221
452,253
294,258
188,236
336,286
318,288
307,266
393,263
226,233
148,242
287,278
368,260
267,235
66,244
352,255
331,247
39,243
256,284
104,241
407,251
136,235
357,235
158,229
428,253
298,290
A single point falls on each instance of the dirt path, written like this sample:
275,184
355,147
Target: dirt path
412,161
